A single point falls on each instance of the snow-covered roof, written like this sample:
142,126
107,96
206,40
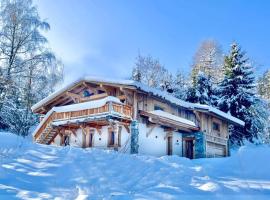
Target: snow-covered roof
173,117
145,88
78,107
88,118
87,105
219,113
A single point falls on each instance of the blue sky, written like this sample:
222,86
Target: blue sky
103,37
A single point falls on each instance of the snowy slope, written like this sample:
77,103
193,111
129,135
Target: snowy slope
32,171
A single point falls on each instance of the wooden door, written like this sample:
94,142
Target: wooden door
189,149
169,145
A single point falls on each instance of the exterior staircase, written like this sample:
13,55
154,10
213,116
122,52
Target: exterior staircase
47,135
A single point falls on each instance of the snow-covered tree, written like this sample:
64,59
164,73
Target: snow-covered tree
209,60
237,97
264,85
202,91
180,85
149,71
29,69
136,74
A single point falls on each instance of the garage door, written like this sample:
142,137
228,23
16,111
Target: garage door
215,150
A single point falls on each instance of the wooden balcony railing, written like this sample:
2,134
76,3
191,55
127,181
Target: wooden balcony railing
216,139
122,109
125,110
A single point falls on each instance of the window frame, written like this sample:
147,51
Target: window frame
218,126
158,107
110,133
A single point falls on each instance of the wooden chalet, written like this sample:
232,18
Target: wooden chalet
130,117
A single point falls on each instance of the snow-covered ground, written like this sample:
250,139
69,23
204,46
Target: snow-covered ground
32,171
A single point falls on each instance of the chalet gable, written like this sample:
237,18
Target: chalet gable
79,92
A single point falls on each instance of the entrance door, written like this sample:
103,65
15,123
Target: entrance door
189,148
169,145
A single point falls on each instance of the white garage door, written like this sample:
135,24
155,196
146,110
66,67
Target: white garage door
215,150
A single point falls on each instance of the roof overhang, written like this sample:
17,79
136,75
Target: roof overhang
217,113
169,122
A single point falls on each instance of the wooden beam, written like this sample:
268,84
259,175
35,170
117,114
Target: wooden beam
54,136
169,129
73,95
98,130
68,100
73,132
151,129
58,101
127,128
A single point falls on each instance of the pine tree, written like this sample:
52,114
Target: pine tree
201,91
180,86
237,97
264,85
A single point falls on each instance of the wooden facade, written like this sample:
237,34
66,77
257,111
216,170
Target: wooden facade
134,104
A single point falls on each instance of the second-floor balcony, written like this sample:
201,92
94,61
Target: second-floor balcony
83,113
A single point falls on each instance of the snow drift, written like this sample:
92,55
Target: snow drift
33,171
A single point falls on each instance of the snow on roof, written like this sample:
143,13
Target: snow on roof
145,88
77,107
87,118
173,117
219,113
132,83
87,105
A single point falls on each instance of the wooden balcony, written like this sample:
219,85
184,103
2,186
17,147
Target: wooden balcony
109,108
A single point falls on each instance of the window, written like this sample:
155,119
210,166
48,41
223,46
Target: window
86,93
66,140
91,138
190,115
111,138
187,114
100,91
156,107
216,126
119,135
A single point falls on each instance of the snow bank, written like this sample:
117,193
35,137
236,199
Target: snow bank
46,172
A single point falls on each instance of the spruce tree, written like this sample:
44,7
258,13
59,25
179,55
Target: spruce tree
237,97
201,91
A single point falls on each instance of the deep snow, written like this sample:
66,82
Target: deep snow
33,171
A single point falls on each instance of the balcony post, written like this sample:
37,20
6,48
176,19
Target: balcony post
110,107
